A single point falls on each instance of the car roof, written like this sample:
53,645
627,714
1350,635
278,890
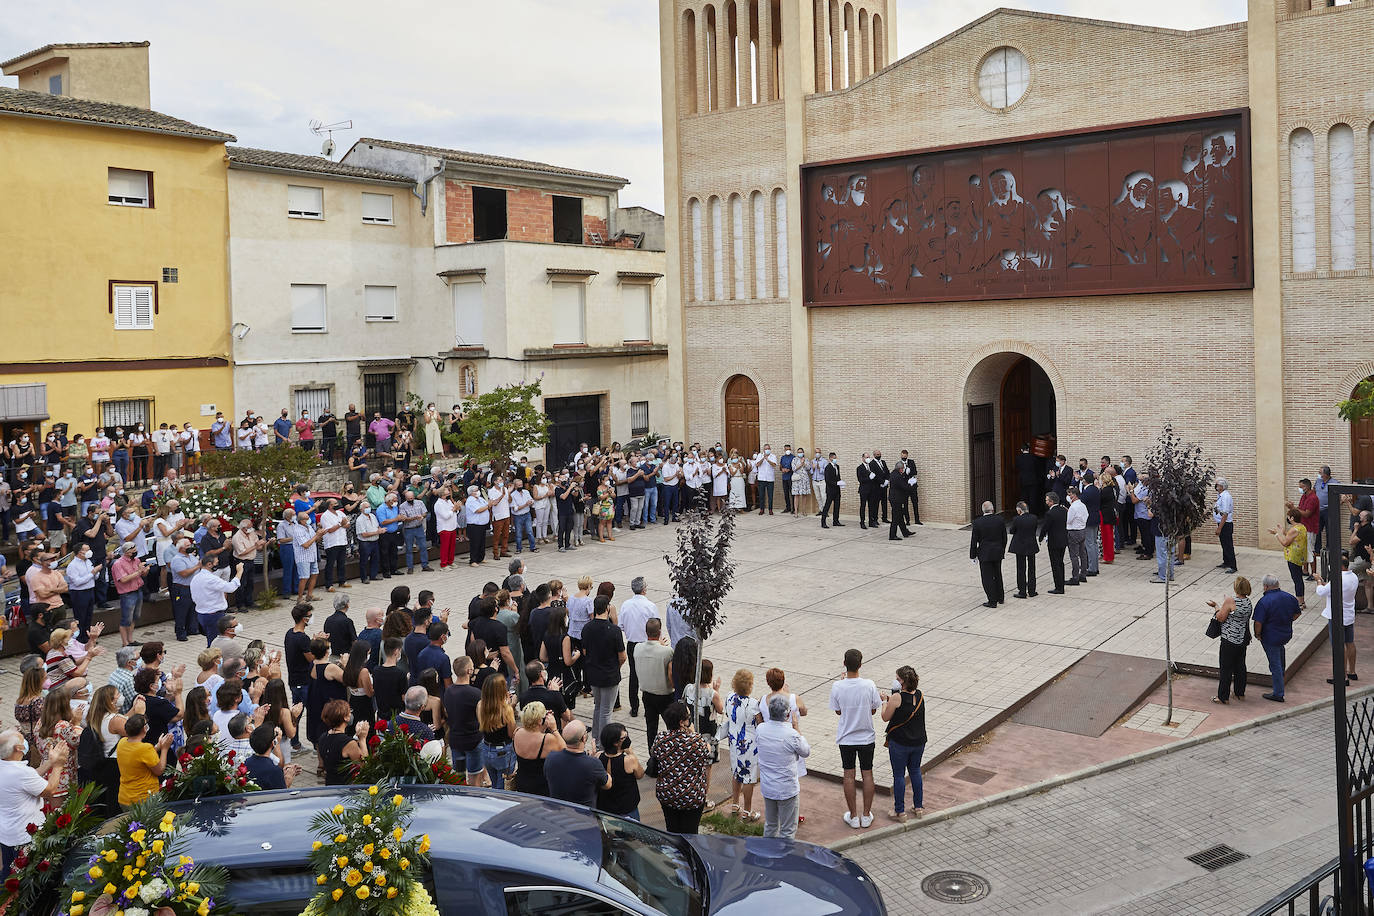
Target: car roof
484,829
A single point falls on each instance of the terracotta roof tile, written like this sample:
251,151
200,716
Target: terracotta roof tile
480,159
64,107
63,45
295,162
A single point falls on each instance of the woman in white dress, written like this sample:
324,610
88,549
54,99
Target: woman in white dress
801,483
736,470
434,441
742,715
542,491
720,479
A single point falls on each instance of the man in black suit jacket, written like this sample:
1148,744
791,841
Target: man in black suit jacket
896,494
881,473
868,487
1060,478
832,492
914,493
1028,477
1054,528
988,545
1092,499
1024,545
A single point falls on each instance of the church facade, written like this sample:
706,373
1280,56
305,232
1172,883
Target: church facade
1037,229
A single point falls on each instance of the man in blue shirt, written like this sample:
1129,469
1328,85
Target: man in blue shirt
1274,615
223,432
262,769
434,656
389,523
281,429
1324,480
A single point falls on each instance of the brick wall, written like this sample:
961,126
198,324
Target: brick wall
529,213
457,212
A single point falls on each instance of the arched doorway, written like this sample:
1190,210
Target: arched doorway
742,415
1011,402
1362,449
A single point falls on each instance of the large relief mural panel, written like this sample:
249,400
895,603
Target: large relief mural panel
1143,208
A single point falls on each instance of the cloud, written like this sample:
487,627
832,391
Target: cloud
572,83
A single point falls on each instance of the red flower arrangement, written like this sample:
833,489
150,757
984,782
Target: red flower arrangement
204,772
394,755
34,882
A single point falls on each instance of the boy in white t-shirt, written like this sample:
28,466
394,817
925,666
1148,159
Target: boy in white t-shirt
855,699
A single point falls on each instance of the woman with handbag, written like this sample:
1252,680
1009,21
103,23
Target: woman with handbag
904,711
1233,617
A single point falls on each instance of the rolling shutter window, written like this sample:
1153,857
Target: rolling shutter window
307,308
303,202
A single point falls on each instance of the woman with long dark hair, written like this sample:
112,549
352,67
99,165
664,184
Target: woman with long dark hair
358,680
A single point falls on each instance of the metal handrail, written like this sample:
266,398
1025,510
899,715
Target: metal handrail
1310,886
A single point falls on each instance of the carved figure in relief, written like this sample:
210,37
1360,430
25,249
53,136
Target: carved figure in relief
1005,218
1045,242
1133,214
1180,232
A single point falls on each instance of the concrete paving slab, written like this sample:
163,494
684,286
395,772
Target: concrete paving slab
1091,695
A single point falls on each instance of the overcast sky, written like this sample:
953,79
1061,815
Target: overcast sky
579,88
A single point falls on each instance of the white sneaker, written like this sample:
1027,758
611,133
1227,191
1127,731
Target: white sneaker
866,820
851,820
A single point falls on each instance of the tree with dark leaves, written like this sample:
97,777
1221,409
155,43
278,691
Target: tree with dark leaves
1180,480
702,574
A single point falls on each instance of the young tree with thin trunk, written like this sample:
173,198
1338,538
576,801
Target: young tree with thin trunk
1179,480
702,574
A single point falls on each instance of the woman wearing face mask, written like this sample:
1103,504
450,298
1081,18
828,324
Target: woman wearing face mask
25,455
100,450
801,483
119,452
53,453
542,491
720,482
736,471
141,455
78,452
81,574
434,440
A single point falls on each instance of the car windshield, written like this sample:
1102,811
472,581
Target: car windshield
649,865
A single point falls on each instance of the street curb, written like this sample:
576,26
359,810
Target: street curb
1045,785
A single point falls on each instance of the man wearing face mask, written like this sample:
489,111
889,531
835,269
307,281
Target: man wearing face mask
281,429
1060,479
245,544
87,489
305,431
833,483
182,567
66,493
368,532
671,472
94,531
304,538
209,594
223,433
389,523
162,444
767,470
286,553
81,573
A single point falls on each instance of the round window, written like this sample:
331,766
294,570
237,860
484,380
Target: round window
1003,77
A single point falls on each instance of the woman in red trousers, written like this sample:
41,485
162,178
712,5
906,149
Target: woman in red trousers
446,523
1110,489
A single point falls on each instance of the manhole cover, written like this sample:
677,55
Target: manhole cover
1217,857
955,886
974,775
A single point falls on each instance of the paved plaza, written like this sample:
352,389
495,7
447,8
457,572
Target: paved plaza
804,594
1117,843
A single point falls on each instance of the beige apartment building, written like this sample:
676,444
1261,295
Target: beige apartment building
1038,227
533,270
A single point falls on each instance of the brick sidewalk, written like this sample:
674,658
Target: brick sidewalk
1116,842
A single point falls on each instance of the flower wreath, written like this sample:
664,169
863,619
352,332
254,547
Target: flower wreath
37,875
137,870
365,865
396,755
205,772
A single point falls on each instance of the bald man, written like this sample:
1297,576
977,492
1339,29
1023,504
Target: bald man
573,774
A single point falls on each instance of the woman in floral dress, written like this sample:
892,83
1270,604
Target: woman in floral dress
742,714
60,726
801,483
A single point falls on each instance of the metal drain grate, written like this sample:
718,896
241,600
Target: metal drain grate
1217,857
974,775
955,886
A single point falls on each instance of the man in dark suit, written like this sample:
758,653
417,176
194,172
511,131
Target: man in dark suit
1025,546
1028,477
881,473
1054,528
988,545
1060,478
896,493
1092,499
832,492
914,493
868,487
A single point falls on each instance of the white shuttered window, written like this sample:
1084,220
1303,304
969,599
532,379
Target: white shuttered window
304,203
130,188
133,308
467,313
377,209
380,302
307,308
569,313
636,301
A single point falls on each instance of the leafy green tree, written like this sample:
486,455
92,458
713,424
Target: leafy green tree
1180,480
262,481
501,423
1360,404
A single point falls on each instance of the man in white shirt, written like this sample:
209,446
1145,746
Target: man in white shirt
671,472
780,748
334,529
1077,537
1350,583
477,510
1225,517
209,593
162,444
855,699
369,533
304,536
766,464
521,504
635,612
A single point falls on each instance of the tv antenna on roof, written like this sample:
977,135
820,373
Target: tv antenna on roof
327,131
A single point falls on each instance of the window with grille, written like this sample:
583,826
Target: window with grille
377,209
380,303
304,202
133,306
315,400
639,418
130,188
127,413
307,308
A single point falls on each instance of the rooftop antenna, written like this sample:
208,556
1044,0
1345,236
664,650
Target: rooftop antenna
327,131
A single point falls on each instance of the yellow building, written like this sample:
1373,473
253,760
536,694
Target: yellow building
114,292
